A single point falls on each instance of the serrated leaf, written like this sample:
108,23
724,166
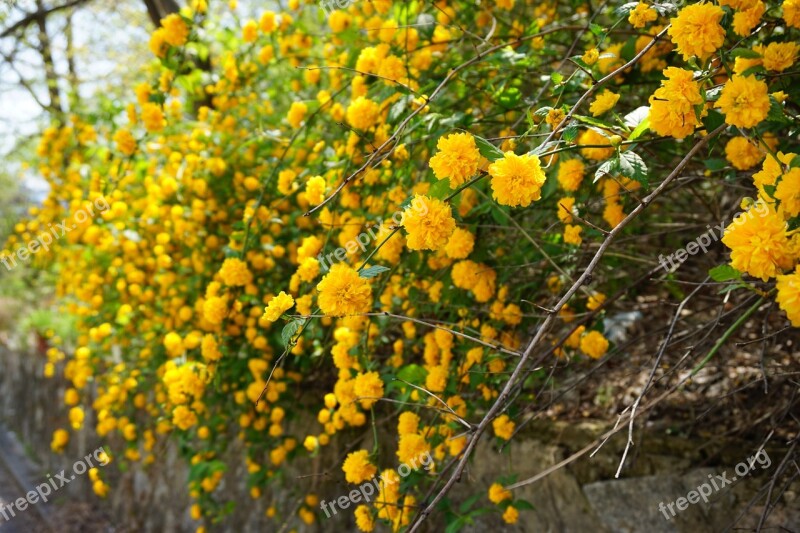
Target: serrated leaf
776,112
373,271
570,132
557,77
289,331
610,167
724,273
625,9
487,149
632,166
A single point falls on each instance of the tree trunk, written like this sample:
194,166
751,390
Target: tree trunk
46,51
158,9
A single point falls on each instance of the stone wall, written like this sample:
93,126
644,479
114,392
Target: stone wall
581,497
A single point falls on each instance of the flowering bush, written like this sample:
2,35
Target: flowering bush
531,135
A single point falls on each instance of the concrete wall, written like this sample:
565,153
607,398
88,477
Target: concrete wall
581,497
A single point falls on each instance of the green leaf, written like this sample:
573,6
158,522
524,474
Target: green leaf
440,189
746,53
556,77
640,130
631,165
609,167
776,112
625,9
413,374
290,330
594,122
570,132
637,116
487,149
715,164
724,273
713,120
373,271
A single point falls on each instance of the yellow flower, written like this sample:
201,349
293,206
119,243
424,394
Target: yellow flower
511,515
591,56
368,386
174,344
315,190
780,56
436,380
412,448
570,174
772,169
458,158
277,306
596,145
183,417
311,443
125,141
60,440
744,21
517,180
460,244
641,15
343,292
339,21
572,234
158,45
297,112
176,30
742,153
672,106
267,21
696,30
760,242
234,273
215,309
363,113
407,422
788,192
745,101
364,520
429,223
357,467
503,427
594,344
603,103
250,31
209,348
565,208
554,117
498,494
788,296
791,13
153,117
